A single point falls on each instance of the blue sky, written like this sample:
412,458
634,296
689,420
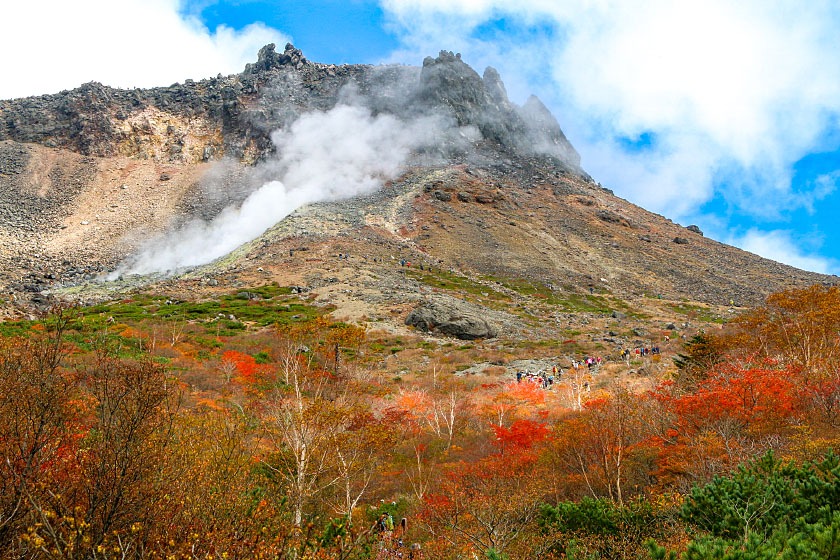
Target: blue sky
333,31
720,114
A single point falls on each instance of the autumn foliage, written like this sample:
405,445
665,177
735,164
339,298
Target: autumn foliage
292,441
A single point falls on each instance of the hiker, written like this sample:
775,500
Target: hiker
382,523
519,377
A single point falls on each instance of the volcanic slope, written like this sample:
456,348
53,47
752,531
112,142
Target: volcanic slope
496,212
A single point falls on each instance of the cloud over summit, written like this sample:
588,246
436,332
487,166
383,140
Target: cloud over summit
670,104
125,43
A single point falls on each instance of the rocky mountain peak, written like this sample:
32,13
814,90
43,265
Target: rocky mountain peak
495,87
447,83
546,132
269,59
234,116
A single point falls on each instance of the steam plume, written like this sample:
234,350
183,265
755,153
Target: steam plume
323,156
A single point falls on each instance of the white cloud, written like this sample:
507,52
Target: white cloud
782,246
125,43
821,187
674,182
732,93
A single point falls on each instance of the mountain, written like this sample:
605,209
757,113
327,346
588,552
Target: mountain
445,172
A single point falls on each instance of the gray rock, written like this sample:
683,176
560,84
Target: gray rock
268,59
270,94
695,229
544,133
449,85
450,319
442,196
607,216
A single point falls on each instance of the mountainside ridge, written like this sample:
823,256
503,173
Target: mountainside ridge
234,115
88,175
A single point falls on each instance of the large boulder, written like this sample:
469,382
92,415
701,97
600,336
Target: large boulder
450,319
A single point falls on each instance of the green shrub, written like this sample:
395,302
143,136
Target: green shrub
766,509
765,495
600,528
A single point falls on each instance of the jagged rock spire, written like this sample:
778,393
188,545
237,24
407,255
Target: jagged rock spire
268,59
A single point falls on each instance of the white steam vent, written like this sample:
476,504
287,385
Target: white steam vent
323,156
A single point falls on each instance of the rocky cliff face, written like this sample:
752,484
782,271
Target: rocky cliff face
449,83
189,122
234,115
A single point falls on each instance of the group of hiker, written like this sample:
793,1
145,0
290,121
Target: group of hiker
640,351
591,364
541,378
546,379
391,536
407,264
